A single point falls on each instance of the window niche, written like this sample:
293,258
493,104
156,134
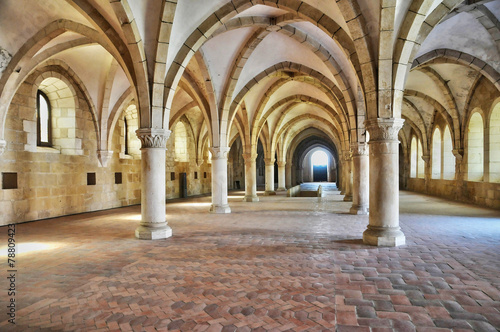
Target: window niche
91,179
54,126
9,180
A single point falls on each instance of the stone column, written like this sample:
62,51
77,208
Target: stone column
359,178
348,177
383,228
281,176
250,178
219,180
153,217
427,171
269,177
288,175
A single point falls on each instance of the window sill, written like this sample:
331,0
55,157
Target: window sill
47,149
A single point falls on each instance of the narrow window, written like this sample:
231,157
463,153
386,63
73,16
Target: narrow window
172,176
204,175
44,128
125,134
195,175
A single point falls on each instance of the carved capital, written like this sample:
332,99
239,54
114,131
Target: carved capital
219,152
269,161
249,157
359,149
426,158
153,137
104,157
3,146
281,163
384,129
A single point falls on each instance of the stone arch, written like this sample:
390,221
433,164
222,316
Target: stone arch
224,13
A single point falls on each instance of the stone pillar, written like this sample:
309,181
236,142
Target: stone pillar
427,171
288,175
153,217
459,173
359,179
383,228
219,180
348,177
250,178
281,176
269,177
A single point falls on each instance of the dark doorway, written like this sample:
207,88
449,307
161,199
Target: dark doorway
183,185
320,173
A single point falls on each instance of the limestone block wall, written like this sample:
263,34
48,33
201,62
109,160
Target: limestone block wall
198,177
50,183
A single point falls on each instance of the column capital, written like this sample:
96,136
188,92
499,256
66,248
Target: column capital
426,158
153,137
3,146
384,129
249,157
269,161
359,149
219,152
281,163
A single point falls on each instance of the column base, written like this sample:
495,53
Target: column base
359,210
220,209
153,233
269,193
348,198
251,199
281,189
383,236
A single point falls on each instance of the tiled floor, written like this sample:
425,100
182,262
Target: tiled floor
280,264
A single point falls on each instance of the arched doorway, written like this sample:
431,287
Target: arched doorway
319,164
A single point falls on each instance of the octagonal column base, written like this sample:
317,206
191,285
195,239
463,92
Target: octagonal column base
220,209
153,233
383,236
251,198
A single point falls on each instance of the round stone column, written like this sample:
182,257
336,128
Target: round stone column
348,176
269,177
359,179
281,176
153,224
219,180
383,228
250,178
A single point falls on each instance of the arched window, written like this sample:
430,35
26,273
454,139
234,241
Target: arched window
413,156
420,161
495,144
475,148
448,157
44,120
180,133
436,154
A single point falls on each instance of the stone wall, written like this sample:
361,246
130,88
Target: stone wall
53,184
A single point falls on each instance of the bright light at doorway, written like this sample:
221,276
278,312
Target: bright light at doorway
319,158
